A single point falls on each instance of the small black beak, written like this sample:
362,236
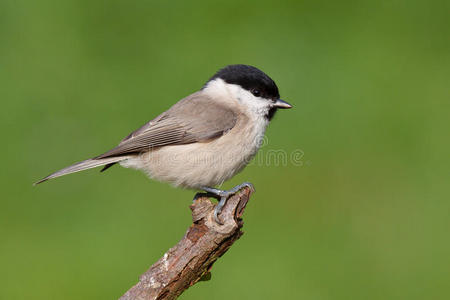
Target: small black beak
282,104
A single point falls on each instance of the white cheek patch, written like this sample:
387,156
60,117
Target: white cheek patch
256,106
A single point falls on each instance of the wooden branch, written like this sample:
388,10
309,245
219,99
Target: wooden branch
192,258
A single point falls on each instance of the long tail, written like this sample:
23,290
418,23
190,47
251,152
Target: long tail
83,165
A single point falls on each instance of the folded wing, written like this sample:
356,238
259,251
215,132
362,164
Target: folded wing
196,118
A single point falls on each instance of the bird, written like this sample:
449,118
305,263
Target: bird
202,140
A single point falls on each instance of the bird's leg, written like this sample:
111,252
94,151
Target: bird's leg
223,196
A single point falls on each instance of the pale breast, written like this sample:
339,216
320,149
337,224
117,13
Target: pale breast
209,163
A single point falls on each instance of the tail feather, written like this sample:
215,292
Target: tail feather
106,167
83,165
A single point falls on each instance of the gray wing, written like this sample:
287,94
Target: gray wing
193,119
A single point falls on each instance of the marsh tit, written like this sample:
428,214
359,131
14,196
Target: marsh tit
203,139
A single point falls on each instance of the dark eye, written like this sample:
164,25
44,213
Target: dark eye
256,93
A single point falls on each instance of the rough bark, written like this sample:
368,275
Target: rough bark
192,258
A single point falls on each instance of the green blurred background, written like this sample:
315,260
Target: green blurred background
365,215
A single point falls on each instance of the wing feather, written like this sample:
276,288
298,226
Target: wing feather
196,118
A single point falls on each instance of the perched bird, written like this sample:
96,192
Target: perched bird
202,140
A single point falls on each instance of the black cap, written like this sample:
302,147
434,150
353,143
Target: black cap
249,78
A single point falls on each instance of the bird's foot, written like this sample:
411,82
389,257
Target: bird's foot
223,196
